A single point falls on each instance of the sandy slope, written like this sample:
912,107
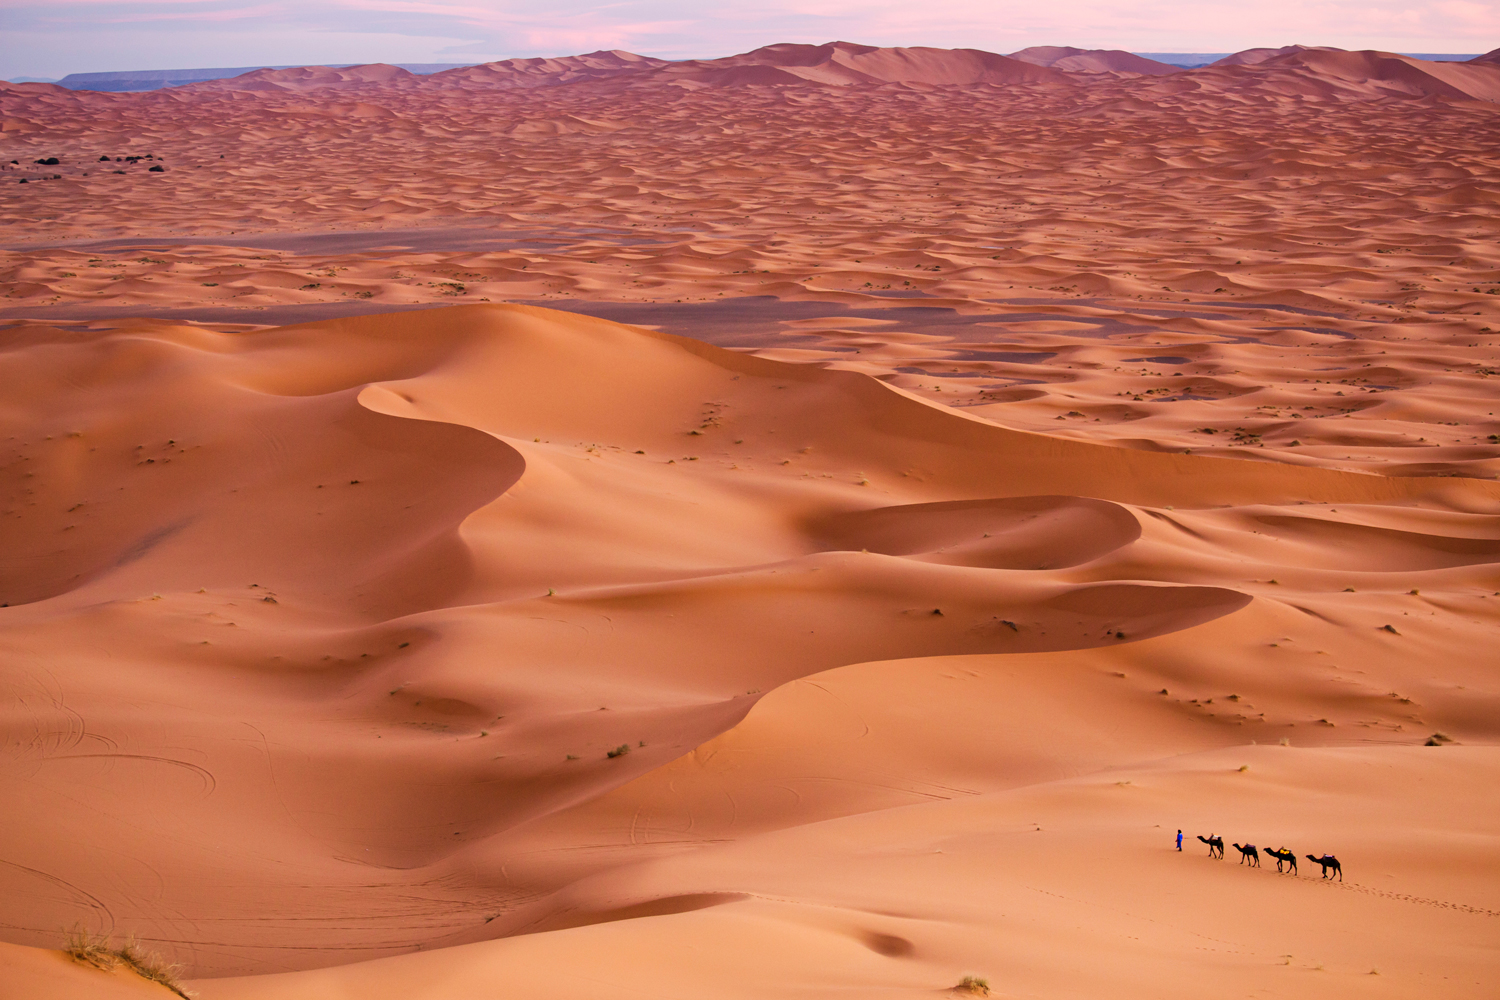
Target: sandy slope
317,638
1203,260
377,595
1073,60
1033,883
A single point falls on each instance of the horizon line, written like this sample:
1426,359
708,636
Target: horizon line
430,68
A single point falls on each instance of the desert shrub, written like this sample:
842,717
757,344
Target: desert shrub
975,985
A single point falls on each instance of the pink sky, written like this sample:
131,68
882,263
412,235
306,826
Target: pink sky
50,38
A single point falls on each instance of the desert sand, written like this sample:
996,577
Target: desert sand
808,524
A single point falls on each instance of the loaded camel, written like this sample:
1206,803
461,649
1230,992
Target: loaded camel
1328,861
1284,857
1215,845
1248,853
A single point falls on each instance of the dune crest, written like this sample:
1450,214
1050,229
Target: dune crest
462,573
812,523
510,73
1254,57
1309,71
1073,60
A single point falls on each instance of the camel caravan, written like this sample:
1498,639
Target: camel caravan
1286,861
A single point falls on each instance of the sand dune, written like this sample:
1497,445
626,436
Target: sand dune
737,528
1023,532
509,73
1084,269
886,932
454,512
1254,57
310,78
844,63
1065,57
1321,72
1378,74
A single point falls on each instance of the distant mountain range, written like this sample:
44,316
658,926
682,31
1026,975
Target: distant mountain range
567,69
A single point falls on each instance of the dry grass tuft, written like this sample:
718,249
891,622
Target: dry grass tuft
89,949
973,985
150,965
94,951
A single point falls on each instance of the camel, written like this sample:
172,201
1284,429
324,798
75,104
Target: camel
1248,853
1285,857
1328,861
1215,845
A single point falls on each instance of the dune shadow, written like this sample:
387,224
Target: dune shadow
1377,549
1037,532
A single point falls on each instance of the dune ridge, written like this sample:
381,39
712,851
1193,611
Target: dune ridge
456,486
805,524
1288,261
1358,75
1074,60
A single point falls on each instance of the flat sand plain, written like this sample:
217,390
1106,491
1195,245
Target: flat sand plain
811,524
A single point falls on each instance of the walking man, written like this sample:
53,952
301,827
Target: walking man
1179,840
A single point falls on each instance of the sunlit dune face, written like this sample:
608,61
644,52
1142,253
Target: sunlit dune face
670,534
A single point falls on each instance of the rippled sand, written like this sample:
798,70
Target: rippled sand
997,469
